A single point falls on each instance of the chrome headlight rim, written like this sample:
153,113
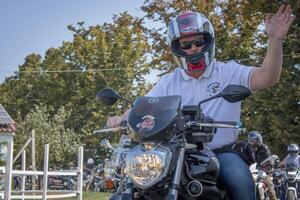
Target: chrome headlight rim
165,171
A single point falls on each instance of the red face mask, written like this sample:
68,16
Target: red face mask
198,67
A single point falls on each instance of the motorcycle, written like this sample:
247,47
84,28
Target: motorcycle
279,181
169,157
263,177
18,182
88,181
292,181
57,182
114,167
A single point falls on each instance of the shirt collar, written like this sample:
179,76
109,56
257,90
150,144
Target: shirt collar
207,73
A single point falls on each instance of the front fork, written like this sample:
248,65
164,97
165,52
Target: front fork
175,184
128,194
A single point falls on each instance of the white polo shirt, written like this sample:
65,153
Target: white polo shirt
215,78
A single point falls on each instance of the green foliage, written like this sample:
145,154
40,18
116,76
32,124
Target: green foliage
96,195
111,55
93,195
63,142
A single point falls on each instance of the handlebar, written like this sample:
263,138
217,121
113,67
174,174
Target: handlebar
107,130
217,124
229,122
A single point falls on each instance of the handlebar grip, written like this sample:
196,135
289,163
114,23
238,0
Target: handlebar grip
219,125
123,123
229,123
99,132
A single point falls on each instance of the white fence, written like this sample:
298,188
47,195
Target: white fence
44,193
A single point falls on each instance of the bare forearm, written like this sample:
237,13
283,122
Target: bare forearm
276,27
272,63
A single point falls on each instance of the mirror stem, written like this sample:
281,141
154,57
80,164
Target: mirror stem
210,98
126,100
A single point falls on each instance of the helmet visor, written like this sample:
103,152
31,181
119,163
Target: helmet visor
187,24
293,153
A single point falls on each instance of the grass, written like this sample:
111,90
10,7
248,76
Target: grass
93,196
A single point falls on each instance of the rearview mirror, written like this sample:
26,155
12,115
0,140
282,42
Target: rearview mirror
110,97
235,93
231,93
107,97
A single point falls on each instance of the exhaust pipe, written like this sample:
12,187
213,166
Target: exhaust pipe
194,188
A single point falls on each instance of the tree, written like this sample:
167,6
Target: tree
109,55
63,142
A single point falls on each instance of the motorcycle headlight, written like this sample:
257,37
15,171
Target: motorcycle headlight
261,174
291,174
147,166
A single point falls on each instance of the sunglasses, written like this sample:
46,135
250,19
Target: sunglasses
187,45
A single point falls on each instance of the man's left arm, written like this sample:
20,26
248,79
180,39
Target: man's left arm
277,28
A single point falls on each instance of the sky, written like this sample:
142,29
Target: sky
33,26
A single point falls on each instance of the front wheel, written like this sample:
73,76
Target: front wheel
259,192
290,195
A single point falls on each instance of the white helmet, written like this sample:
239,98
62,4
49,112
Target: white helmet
187,24
90,161
293,149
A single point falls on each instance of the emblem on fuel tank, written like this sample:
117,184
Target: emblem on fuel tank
153,100
146,124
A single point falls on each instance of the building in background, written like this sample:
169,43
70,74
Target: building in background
7,131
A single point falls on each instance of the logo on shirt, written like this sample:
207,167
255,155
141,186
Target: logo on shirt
214,88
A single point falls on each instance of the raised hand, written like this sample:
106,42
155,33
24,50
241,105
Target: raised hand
278,26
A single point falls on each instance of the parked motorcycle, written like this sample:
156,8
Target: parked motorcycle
18,182
57,183
88,181
169,157
102,182
114,167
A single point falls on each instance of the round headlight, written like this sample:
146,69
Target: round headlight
146,167
261,174
291,174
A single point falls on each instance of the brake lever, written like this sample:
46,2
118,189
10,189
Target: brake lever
105,143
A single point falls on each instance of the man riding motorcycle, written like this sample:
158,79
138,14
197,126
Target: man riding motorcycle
262,152
292,157
290,162
192,41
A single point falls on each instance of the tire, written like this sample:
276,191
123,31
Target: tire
290,195
28,185
73,186
257,193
